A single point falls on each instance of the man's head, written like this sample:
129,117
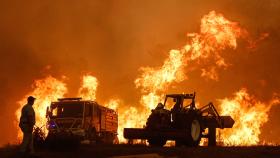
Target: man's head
30,100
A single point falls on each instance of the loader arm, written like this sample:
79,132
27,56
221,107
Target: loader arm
210,110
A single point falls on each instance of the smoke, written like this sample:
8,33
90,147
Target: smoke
113,39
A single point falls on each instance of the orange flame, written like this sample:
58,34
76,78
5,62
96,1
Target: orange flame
216,34
45,91
127,117
249,115
113,104
88,87
130,118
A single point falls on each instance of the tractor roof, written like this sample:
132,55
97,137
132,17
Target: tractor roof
185,96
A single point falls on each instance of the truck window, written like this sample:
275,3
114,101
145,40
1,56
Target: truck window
67,110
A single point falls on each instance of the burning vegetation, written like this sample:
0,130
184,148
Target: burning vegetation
249,114
216,35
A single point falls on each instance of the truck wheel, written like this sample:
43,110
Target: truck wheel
91,134
156,142
108,138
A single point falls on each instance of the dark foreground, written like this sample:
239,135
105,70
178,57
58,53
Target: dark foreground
95,151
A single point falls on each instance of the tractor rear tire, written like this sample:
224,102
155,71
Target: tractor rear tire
193,131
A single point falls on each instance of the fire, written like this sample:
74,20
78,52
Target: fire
45,91
249,115
88,87
216,34
129,118
113,104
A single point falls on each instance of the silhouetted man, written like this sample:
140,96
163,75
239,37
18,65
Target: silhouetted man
177,105
27,122
175,110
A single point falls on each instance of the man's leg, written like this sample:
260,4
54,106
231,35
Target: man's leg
24,143
31,145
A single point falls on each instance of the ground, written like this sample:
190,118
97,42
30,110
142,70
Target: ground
96,151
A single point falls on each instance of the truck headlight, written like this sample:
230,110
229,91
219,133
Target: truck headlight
51,125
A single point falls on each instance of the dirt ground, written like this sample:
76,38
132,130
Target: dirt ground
128,151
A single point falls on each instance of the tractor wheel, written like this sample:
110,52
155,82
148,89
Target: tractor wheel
156,142
194,132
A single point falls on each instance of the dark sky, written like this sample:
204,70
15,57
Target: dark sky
113,39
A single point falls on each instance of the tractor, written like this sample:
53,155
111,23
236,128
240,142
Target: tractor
179,119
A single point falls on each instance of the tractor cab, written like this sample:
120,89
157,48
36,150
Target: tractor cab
179,101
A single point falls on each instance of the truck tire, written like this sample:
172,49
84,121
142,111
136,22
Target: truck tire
108,138
156,142
91,135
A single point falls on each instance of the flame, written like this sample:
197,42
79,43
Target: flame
88,87
216,34
113,104
249,115
130,118
127,117
45,91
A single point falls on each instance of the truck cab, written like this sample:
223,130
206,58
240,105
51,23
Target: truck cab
75,118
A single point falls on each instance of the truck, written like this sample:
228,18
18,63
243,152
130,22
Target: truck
77,120
179,119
